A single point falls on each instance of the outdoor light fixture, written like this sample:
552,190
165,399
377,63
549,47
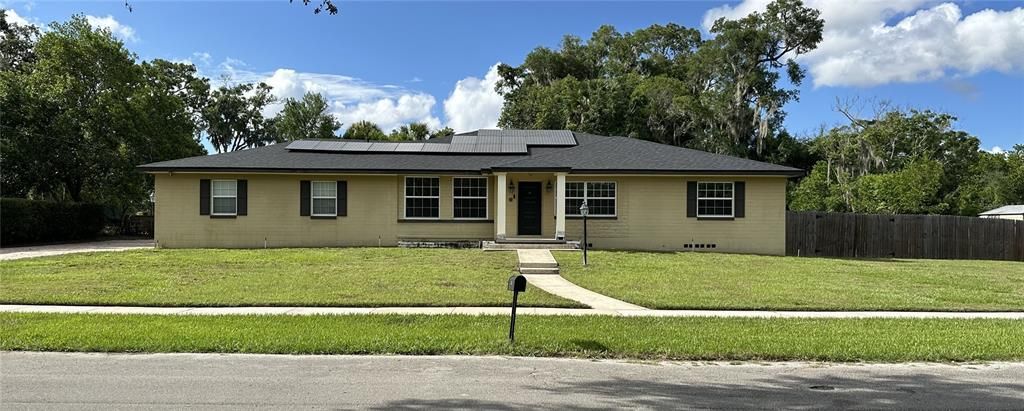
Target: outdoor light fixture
584,210
511,191
549,186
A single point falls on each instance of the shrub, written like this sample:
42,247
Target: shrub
30,221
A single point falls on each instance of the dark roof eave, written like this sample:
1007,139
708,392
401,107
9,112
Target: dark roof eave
781,173
158,169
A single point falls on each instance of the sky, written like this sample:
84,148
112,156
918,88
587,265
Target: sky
398,62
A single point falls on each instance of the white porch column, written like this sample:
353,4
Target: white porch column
501,200
560,206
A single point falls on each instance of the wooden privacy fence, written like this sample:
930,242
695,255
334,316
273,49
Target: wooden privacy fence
903,236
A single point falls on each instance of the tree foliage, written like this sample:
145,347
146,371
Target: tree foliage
410,132
905,161
80,113
307,118
365,130
234,117
667,84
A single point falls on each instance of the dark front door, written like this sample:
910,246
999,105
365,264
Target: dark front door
529,208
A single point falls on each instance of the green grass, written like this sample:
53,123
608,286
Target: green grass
729,281
369,277
886,340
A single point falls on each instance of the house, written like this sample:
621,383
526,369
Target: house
1007,212
504,185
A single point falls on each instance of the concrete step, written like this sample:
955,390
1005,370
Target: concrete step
524,270
494,246
538,264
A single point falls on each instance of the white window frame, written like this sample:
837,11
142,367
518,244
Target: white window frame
213,204
586,196
313,196
405,195
732,200
486,198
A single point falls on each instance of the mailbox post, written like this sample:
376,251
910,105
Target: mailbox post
516,284
584,210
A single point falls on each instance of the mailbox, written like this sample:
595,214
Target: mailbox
517,283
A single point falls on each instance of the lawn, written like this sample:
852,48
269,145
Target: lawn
730,281
370,277
886,340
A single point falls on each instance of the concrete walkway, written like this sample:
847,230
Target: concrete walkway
16,253
85,309
555,284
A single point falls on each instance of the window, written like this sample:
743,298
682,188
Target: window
422,197
469,197
600,197
224,196
714,199
325,198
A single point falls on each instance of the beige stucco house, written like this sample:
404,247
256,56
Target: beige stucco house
487,185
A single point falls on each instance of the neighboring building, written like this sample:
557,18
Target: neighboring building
504,185
1008,212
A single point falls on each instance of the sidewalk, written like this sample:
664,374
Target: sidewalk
16,253
81,309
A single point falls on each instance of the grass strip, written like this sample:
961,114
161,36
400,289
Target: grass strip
881,340
751,282
346,277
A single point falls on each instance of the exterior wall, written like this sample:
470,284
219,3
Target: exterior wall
374,207
651,215
1017,217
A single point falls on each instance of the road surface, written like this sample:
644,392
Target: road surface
127,381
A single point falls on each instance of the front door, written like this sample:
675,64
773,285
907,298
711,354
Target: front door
529,208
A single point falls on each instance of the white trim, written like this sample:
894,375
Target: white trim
213,207
732,200
560,205
313,197
486,197
405,206
586,197
500,202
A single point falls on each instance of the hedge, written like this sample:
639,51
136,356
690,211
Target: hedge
30,221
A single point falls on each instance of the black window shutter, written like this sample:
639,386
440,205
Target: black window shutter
739,206
243,197
304,193
342,198
691,198
204,197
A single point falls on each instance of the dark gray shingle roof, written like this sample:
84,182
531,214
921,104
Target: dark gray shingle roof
592,154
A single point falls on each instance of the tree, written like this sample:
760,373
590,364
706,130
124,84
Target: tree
365,130
17,44
413,132
234,117
81,113
898,161
444,132
667,84
306,119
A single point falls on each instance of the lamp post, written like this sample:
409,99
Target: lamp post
584,210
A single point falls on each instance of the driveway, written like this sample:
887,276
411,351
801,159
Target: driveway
15,253
130,381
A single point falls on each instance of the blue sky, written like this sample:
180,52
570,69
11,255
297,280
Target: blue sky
396,62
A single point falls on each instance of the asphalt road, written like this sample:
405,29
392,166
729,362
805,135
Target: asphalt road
102,381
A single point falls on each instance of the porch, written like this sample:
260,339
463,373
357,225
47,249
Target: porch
530,208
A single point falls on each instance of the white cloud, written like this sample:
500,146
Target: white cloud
13,17
474,104
350,99
203,57
123,31
996,150
858,48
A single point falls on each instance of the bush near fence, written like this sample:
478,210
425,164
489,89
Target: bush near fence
815,234
25,221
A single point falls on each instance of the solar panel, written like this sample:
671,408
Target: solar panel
410,147
484,142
